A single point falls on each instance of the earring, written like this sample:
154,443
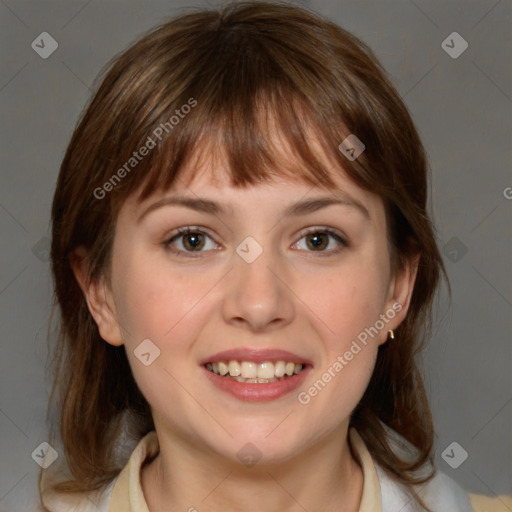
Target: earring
391,334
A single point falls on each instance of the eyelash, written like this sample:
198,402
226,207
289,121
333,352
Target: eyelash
197,254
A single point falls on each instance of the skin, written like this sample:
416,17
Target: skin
292,297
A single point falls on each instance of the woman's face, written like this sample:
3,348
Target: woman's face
277,273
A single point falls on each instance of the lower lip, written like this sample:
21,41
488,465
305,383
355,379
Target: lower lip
251,392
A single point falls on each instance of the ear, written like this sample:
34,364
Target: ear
399,295
99,298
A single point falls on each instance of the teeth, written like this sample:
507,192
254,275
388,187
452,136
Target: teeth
290,368
280,369
265,370
234,368
250,372
223,368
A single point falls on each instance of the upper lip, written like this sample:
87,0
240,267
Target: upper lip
256,356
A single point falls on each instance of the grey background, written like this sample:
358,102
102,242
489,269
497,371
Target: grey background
462,108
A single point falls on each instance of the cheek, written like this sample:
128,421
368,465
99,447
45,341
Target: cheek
164,307
348,300
348,307
154,302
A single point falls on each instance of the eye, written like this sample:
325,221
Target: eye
190,239
318,239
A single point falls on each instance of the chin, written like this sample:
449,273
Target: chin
262,447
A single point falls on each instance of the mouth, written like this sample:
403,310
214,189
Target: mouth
256,375
251,372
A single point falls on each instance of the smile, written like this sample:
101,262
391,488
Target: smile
255,373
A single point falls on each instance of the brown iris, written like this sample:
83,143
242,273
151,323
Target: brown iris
196,241
317,242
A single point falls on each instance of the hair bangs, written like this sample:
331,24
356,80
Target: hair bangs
261,141
257,115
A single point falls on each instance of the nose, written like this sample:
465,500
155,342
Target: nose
257,295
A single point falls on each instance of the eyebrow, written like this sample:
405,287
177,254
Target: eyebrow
294,210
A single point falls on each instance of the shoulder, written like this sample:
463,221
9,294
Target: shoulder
97,501
439,494
448,490
443,493
109,495
483,503
382,492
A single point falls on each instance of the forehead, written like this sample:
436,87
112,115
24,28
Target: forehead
208,188
210,177
216,180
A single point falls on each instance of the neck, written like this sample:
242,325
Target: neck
182,477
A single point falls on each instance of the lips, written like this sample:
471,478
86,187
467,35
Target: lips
256,374
256,356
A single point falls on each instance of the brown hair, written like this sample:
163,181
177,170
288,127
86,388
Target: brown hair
231,67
